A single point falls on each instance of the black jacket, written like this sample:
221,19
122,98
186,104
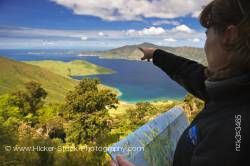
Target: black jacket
219,134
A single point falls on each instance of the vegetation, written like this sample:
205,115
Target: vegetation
128,117
72,68
192,106
82,120
14,75
30,100
37,130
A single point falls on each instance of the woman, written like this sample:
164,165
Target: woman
220,134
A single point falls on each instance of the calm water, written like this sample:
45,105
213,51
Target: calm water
137,80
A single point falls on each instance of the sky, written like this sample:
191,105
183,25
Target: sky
99,24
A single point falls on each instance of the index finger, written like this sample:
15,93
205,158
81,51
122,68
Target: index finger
121,161
141,49
112,163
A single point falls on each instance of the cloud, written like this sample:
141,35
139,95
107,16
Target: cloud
101,34
170,40
162,22
196,13
156,31
152,31
53,38
195,40
55,33
83,38
132,9
131,32
183,28
35,32
47,43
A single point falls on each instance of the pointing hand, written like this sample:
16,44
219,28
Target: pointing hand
147,52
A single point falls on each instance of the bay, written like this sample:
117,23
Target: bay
137,80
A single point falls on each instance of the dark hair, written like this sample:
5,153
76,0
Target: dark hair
220,14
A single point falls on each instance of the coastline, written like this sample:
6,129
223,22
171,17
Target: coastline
155,100
100,56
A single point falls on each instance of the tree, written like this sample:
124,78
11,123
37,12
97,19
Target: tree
69,71
7,138
30,100
192,106
87,98
87,108
141,113
51,121
7,109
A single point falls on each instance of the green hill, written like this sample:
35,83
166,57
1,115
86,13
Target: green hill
72,68
132,52
13,76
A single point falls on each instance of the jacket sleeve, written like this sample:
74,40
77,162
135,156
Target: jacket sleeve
185,72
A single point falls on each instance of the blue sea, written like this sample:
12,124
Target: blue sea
137,80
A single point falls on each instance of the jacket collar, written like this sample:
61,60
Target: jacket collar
229,90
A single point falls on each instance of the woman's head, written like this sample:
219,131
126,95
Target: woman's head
228,37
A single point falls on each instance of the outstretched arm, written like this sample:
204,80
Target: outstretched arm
187,73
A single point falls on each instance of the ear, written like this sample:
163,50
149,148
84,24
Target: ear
230,35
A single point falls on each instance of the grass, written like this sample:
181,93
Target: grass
14,74
72,68
122,108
